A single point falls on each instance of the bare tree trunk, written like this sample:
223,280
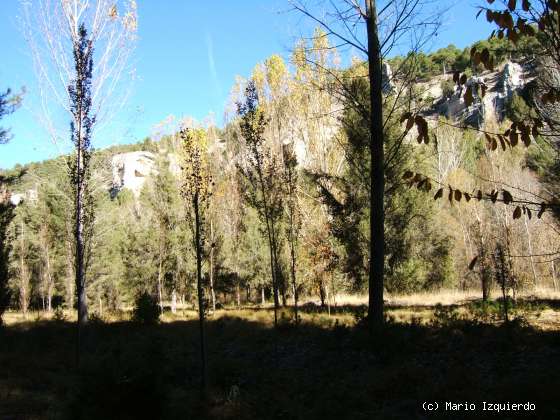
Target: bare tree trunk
70,282
322,293
273,271
553,269
263,301
328,300
160,291
238,295
49,299
174,302
377,171
203,382
278,287
294,283
24,278
530,247
212,293
79,237
49,288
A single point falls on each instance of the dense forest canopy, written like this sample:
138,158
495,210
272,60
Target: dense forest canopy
141,241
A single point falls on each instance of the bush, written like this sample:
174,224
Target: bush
517,109
447,88
146,309
59,314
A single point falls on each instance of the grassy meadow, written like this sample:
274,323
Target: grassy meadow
446,347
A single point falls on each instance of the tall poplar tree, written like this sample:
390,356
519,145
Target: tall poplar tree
79,92
196,190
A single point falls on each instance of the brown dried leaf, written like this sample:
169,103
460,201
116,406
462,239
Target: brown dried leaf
473,263
405,116
508,198
408,174
513,138
502,142
468,97
517,213
458,195
409,124
542,210
456,76
526,138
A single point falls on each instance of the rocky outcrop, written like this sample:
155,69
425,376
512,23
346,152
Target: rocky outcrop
511,79
131,169
388,84
29,195
500,86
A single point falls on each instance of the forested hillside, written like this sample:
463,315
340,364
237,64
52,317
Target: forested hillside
142,243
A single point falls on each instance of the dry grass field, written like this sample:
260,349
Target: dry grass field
433,348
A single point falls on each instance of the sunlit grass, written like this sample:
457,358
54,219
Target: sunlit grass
412,308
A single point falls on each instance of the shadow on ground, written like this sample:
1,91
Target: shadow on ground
133,371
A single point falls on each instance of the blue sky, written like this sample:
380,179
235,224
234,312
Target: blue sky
187,56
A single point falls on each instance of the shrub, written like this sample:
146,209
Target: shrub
59,314
146,309
447,88
517,109
445,316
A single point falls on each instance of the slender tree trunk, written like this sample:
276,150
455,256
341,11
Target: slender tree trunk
49,287
24,275
377,171
70,278
174,301
485,278
271,245
553,269
328,299
530,247
294,283
160,269
322,293
212,293
79,237
203,382
263,301
279,289
274,275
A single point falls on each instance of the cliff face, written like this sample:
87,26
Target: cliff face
501,85
131,169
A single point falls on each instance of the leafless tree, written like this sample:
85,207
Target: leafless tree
66,37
